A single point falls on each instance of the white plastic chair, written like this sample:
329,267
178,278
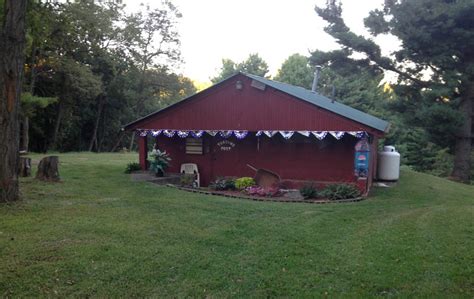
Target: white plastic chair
191,168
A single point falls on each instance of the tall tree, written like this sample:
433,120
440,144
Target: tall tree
12,44
296,70
436,59
254,64
151,41
227,69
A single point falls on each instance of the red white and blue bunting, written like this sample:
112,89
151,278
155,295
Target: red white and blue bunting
240,134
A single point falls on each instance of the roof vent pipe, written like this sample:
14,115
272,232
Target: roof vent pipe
316,78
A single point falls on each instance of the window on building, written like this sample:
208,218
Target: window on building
194,146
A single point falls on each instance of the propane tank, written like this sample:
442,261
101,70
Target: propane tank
388,166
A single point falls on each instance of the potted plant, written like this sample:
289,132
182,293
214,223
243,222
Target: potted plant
160,162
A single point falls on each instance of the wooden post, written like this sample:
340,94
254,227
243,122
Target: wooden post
143,151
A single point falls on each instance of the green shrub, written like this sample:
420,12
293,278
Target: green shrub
160,162
187,180
223,184
244,182
309,191
443,163
340,191
132,166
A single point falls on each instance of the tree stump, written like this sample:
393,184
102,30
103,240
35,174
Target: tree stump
24,168
48,169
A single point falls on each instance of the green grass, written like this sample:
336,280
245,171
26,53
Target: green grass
98,234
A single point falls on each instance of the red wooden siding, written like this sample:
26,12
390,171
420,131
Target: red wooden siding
300,158
225,107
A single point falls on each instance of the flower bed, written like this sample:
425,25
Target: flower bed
237,194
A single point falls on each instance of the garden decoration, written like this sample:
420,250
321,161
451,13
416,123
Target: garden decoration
264,177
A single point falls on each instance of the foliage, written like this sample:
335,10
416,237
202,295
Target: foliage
419,153
340,191
244,182
221,184
132,166
254,65
296,70
99,223
150,35
443,163
32,105
309,191
160,161
441,74
262,191
187,180
104,66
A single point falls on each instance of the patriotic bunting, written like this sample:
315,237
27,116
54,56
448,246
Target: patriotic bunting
183,134
287,134
240,134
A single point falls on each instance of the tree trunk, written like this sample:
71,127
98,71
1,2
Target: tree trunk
101,136
12,44
24,167
58,124
463,147
96,125
25,134
132,140
26,121
48,169
117,144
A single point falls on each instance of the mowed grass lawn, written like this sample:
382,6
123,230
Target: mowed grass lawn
99,234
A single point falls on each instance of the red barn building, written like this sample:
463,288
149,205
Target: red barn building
246,119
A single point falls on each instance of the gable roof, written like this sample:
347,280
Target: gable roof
299,93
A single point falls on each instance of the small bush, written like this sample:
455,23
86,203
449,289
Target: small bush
443,163
187,180
340,191
309,191
160,162
132,166
244,182
221,184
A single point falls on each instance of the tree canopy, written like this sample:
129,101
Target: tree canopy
296,70
435,64
254,65
101,68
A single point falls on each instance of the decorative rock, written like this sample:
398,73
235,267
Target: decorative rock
48,169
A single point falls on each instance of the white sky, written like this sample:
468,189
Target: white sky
275,29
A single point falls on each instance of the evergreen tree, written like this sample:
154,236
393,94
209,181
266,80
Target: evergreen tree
437,43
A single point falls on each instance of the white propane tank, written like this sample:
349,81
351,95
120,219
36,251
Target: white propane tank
388,164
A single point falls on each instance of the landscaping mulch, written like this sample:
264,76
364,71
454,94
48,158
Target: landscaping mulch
236,194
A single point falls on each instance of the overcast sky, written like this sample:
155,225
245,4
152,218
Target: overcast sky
211,30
